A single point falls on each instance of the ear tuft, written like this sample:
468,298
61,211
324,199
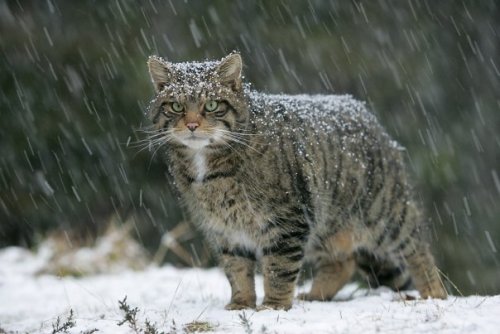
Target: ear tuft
159,71
229,71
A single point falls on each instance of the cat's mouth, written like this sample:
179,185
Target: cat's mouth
195,137
195,140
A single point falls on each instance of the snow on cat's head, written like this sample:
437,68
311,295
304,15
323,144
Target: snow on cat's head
197,104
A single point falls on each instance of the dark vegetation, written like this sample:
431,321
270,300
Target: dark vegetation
131,319
74,86
61,326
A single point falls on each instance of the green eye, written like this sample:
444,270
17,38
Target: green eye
211,105
177,107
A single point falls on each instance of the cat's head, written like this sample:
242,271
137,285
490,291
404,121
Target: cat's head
198,104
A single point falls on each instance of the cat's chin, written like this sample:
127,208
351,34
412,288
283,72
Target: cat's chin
199,141
196,143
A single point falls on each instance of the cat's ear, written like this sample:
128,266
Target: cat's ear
160,72
229,71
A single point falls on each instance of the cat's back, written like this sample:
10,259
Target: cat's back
320,113
329,120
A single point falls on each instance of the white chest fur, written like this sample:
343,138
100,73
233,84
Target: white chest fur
200,165
242,240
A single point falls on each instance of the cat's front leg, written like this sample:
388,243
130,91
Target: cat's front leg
239,267
281,264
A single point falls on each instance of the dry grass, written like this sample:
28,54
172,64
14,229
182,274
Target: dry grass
198,327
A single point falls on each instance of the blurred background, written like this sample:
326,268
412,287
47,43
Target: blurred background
74,88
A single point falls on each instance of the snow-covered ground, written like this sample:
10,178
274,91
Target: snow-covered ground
193,299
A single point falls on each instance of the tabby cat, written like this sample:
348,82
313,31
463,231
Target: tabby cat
286,180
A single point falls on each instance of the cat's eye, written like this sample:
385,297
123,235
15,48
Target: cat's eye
211,105
177,107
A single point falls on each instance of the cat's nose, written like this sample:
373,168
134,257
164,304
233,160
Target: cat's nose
192,126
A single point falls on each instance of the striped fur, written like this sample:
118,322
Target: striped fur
288,179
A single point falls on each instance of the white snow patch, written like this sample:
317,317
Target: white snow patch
30,303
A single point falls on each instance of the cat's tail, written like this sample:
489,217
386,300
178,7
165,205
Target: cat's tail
384,271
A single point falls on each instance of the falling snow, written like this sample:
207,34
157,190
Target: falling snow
74,90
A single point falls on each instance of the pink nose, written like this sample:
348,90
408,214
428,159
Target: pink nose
192,126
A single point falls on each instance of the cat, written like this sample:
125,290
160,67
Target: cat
286,180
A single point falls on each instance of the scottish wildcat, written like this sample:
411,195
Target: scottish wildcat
287,179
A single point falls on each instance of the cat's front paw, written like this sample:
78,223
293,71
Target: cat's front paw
239,306
274,306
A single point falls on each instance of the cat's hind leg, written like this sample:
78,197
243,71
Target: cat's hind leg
334,266
424,272
331,274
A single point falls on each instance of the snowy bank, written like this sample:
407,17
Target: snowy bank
193,299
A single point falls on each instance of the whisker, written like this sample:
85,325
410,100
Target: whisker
146,128
147,142
231,147
239,141
150,143
236,136
155,131
239,133
148,146
156,151
154,135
